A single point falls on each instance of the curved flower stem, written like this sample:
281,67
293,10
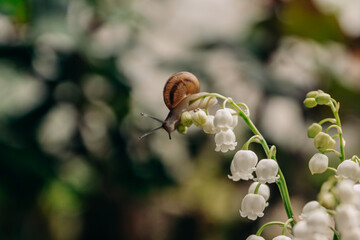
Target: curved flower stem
331,120
258,233
334,126
332,169
335,109
254,138
286,225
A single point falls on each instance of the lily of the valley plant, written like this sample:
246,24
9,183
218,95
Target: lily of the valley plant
336,214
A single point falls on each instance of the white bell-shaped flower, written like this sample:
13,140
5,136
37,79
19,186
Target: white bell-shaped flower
225,141
318,221
266,171
347,217
223,119
346,192
209,127
301,230
263,190
281,237
309,208
349,170
252,206
318,163
243,165
255,237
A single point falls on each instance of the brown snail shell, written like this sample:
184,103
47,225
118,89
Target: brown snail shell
178,87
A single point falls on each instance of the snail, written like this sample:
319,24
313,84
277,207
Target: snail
179,90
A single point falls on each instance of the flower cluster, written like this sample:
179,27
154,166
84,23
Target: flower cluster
222,125
243,165
347,215
314,224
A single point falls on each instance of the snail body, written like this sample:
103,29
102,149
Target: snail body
179,90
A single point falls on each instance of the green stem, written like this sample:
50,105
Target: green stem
332,120
286,226
332,169
258,233
335,110
254,138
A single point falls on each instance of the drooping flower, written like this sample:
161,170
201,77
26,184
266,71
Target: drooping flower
199,118
243,165
346,192
223,120
266,171
309,208
186,119
318,221
313,130
348,170
209,127
263,190
318,163
252,206
347,217
324,141
225,141
301,230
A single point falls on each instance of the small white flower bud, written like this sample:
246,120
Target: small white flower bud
186,119
349,170
318,163
263,190
182,129
199,118
322,98
310,102
223,119
252,206
266,171
243,165
255,237
323,141
209,127
225,141
313,130
312,94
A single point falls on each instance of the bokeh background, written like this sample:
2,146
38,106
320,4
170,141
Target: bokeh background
75,75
